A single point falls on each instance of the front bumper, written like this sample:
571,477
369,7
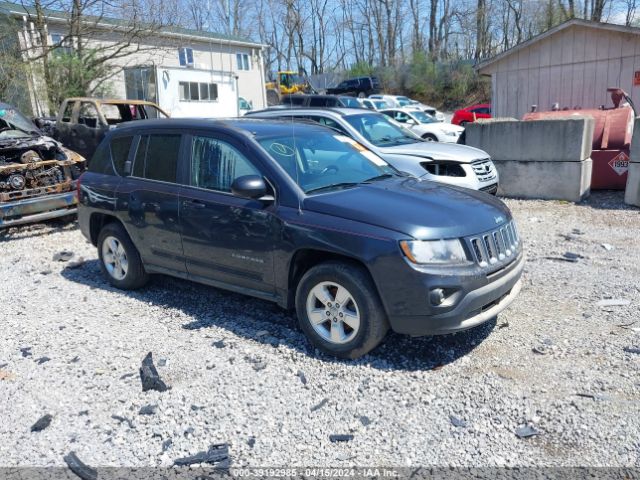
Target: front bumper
474,308
36,209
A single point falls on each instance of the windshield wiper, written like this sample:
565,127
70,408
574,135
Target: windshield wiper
333,185
378,177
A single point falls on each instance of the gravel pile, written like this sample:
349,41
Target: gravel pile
554,381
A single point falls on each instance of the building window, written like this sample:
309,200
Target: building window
243,61
198,92
185,55
60,45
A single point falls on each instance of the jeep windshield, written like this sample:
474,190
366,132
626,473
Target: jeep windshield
15,125
320,162
377,129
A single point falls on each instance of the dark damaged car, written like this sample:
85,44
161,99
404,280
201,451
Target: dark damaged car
303,216
38,176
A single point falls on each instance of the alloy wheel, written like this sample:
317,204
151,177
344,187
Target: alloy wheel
114,258
333,312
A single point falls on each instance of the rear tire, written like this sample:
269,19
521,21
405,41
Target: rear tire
349,330
119,258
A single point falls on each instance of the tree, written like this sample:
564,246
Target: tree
86,55
13,72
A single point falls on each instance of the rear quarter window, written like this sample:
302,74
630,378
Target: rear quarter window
101,160
120,147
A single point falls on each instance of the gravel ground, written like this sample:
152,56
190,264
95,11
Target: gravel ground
240,372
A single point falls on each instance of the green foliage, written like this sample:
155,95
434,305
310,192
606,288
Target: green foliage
444,85
79,71
361,69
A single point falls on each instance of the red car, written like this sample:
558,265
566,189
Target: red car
471,114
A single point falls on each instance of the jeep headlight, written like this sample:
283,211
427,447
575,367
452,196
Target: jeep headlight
438,252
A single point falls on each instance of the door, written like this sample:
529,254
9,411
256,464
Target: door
226,238
65,123
150,195
88,129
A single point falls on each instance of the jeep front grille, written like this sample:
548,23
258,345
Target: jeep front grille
484,169
495,246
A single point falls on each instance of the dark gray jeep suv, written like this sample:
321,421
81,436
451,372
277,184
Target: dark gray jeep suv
304,216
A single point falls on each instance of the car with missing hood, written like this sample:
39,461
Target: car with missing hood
303,216
37,174
449,163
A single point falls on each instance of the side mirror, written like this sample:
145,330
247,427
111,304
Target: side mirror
249,186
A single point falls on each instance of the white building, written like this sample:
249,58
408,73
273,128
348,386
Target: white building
187,73
571,64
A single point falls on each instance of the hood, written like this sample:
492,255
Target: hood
437,151
39,141
420,209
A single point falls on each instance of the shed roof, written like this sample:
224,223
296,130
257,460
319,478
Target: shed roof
552,31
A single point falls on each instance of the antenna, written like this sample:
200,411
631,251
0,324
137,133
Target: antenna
295,161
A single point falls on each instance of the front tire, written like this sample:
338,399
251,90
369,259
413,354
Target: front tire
339,309
429,137
119,258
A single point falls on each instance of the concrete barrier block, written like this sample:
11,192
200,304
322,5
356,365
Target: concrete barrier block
551,140
551,180
632,192
634,149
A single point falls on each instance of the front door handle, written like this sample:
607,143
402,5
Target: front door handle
193,204
153,206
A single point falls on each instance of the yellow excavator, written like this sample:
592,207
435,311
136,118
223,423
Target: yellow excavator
286,83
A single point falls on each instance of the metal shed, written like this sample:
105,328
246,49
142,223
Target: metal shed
571,64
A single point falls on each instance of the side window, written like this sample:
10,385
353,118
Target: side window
215,164
120,152
112,114
88,115
157,157
327,122
68,111
401,117
295,100
318,102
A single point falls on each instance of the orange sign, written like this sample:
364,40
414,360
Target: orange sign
636,78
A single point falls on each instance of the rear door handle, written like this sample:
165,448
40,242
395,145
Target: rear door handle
193,204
